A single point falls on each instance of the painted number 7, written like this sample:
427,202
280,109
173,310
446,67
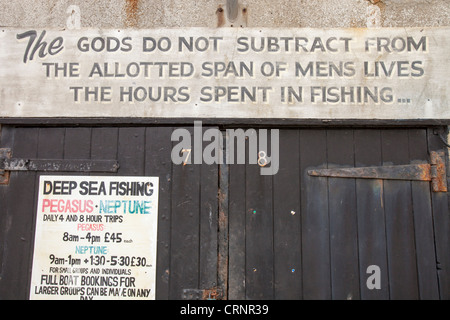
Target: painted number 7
187,156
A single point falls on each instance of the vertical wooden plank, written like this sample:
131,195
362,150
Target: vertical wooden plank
104,143
131,151
259,234
184,263
399,220
158,163
6,141
50,146
236,220
27,142
287,227
441,220
343,221
315,220
371,216
51,143
20,212
423,221
77,143
223,224
208,233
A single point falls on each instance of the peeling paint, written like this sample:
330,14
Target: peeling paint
373,17
132,10
204,13
74,20
220,17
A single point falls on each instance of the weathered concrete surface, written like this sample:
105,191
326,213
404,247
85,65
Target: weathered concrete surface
204,13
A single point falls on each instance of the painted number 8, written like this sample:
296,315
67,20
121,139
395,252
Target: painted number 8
262,160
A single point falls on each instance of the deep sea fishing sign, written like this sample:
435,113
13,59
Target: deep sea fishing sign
96,238
383,73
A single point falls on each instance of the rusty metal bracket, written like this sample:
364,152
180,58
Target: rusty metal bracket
434,172
4,175
438,171
232,14
202,294
8,164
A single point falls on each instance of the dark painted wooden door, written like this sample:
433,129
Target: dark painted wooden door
294,236
288,236
187,224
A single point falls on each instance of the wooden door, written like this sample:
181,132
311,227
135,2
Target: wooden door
286,236
187,222
294,236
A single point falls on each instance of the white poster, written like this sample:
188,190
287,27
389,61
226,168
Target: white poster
96,238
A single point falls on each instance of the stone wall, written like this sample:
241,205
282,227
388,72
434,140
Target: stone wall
213,13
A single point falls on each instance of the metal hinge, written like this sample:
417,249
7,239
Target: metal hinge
8,164
434,171
202,294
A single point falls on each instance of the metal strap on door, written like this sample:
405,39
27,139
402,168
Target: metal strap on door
8,164
435,171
